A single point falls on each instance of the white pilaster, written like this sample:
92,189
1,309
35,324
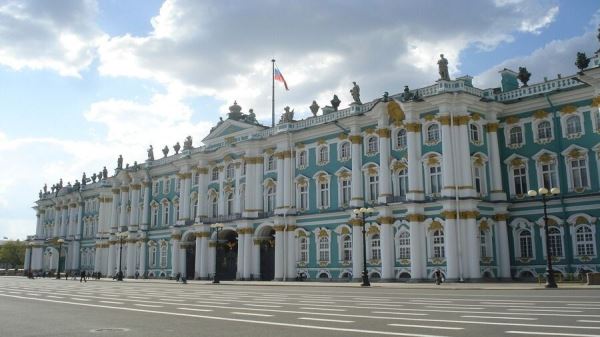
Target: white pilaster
111,260
357,248
174,255
496,189
356,189
385,181
387,248
248,245
146,206
198,258
451,248
240,255
279,253
418,253
131,248
415,172
503,255
143,253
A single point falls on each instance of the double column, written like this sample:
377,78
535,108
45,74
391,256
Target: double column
279,192
114,223
356,189
245,246
134,220
201,260
131,254
451,242
415,173
202,209
146,185
175,263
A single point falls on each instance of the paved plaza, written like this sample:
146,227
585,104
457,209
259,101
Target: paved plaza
49,307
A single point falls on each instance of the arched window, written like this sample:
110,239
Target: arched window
373,187
303,249
166,186
163,254
345,151
544,131
214,206
433,133
579,176
401,139
516,135
230,171
549,177
584,241
438,244
520,180
323,193
404,245
230,203
346,191
242,196
214,174
573,125
302,159
323,154
176,210
165,217
271,163
372,145
375,247
154,220
270,199
402,182
525,244
324,248
347,248
302,196
555,242
474,133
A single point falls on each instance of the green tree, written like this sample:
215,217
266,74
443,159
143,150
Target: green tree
12,253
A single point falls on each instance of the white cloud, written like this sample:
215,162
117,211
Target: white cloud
56,35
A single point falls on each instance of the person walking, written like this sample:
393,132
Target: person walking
438,276
82,278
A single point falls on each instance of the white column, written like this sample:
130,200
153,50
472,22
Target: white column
290,251
143,253
279,252
256,259
124,200
38,224
211,258
27,259
64,222
451,247
503,255
98,257
36,257
415,172
418,254
135,205
357,248
174,255
202,190
75,255
204,256
240,253
447,158
496,189
111,260
473,244
387,249
280,181
198,256
131,248
115,215
249,192
79,222
463,154
287,180
248,245
356,189
385,180
258,184
146,207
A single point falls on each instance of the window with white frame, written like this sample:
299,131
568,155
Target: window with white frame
579,174
154,219
584,241
176,210
433,134
346,248
193,208
401,182
323,155
555,242
164,254
520,180
303,249
372,145
242,196
525,244
271,163
544,131
548,173
166,185
401,139
214,205
573,124
302,159
435,179
323,192
155,188
214,174
483,244
438,244
345,191
345,151
515,136
196,179
595,115
165,214
230,173
324,249
302,196
270,198
474,133
479,179
229,204
375,247
403,252
372,187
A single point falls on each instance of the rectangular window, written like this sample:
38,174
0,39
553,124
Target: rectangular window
549,179
402,183
579,174
303,200
346,192
324,193
163,256
373,188
520,180
478,180
435,179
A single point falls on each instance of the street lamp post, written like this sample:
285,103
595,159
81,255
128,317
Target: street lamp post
121,236
364,212
544,193
217,227
60,243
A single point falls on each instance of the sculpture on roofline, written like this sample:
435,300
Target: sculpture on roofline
251,117
40,194
386,97
524,76
120,162
60,183
83,179
177,147
287,116
314,108
94,176
150,153
235,112
443,68
45,188
77,185
104,173
355,92
99,175
165,151
335,102
187,144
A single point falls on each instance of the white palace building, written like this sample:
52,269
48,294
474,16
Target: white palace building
445,168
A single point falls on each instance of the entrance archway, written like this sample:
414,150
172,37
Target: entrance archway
188,244
267,255
227,255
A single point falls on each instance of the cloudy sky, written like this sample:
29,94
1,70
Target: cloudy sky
82,81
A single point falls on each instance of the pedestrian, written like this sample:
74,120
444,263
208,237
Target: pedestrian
82,278
66,275
178,277
137,274
438,276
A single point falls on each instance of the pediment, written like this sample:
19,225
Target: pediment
230,128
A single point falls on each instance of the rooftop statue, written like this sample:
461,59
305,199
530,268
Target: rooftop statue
443,68
120,162
335,102
386,97
355,92
40,194
177,147
77,185
251,117
83,179
99,175
94,176
406,94
235,112
187,143
45,188
165,151
287,116
135,165
104,173
150,153
314,108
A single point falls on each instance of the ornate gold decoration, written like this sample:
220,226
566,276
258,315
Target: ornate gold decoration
478,160
124,188
475,117
386,220
413,127
384,132
279,155
321,141
291,228
345,174
399,166
373,230
444,120
203,170
568,109
575,154
501,217
581,220
176,236
448,214
596,101
404,261
355,222
395,112
229,140
301,234
512,120
546,158
369,131
484,226
516,162
429,117
461,120
492,127
322,178
300,145
469,214
437,260
372,170
345,231
322,234
279,228
415,217
540,114
435,225
270,151
432,159
342,136
355,139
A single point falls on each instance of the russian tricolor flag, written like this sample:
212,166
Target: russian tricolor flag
279,77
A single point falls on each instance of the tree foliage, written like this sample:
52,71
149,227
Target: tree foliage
12,253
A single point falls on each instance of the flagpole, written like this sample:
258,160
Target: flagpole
273,95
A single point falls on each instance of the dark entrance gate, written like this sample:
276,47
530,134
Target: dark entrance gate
190,260
227,255
267,257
